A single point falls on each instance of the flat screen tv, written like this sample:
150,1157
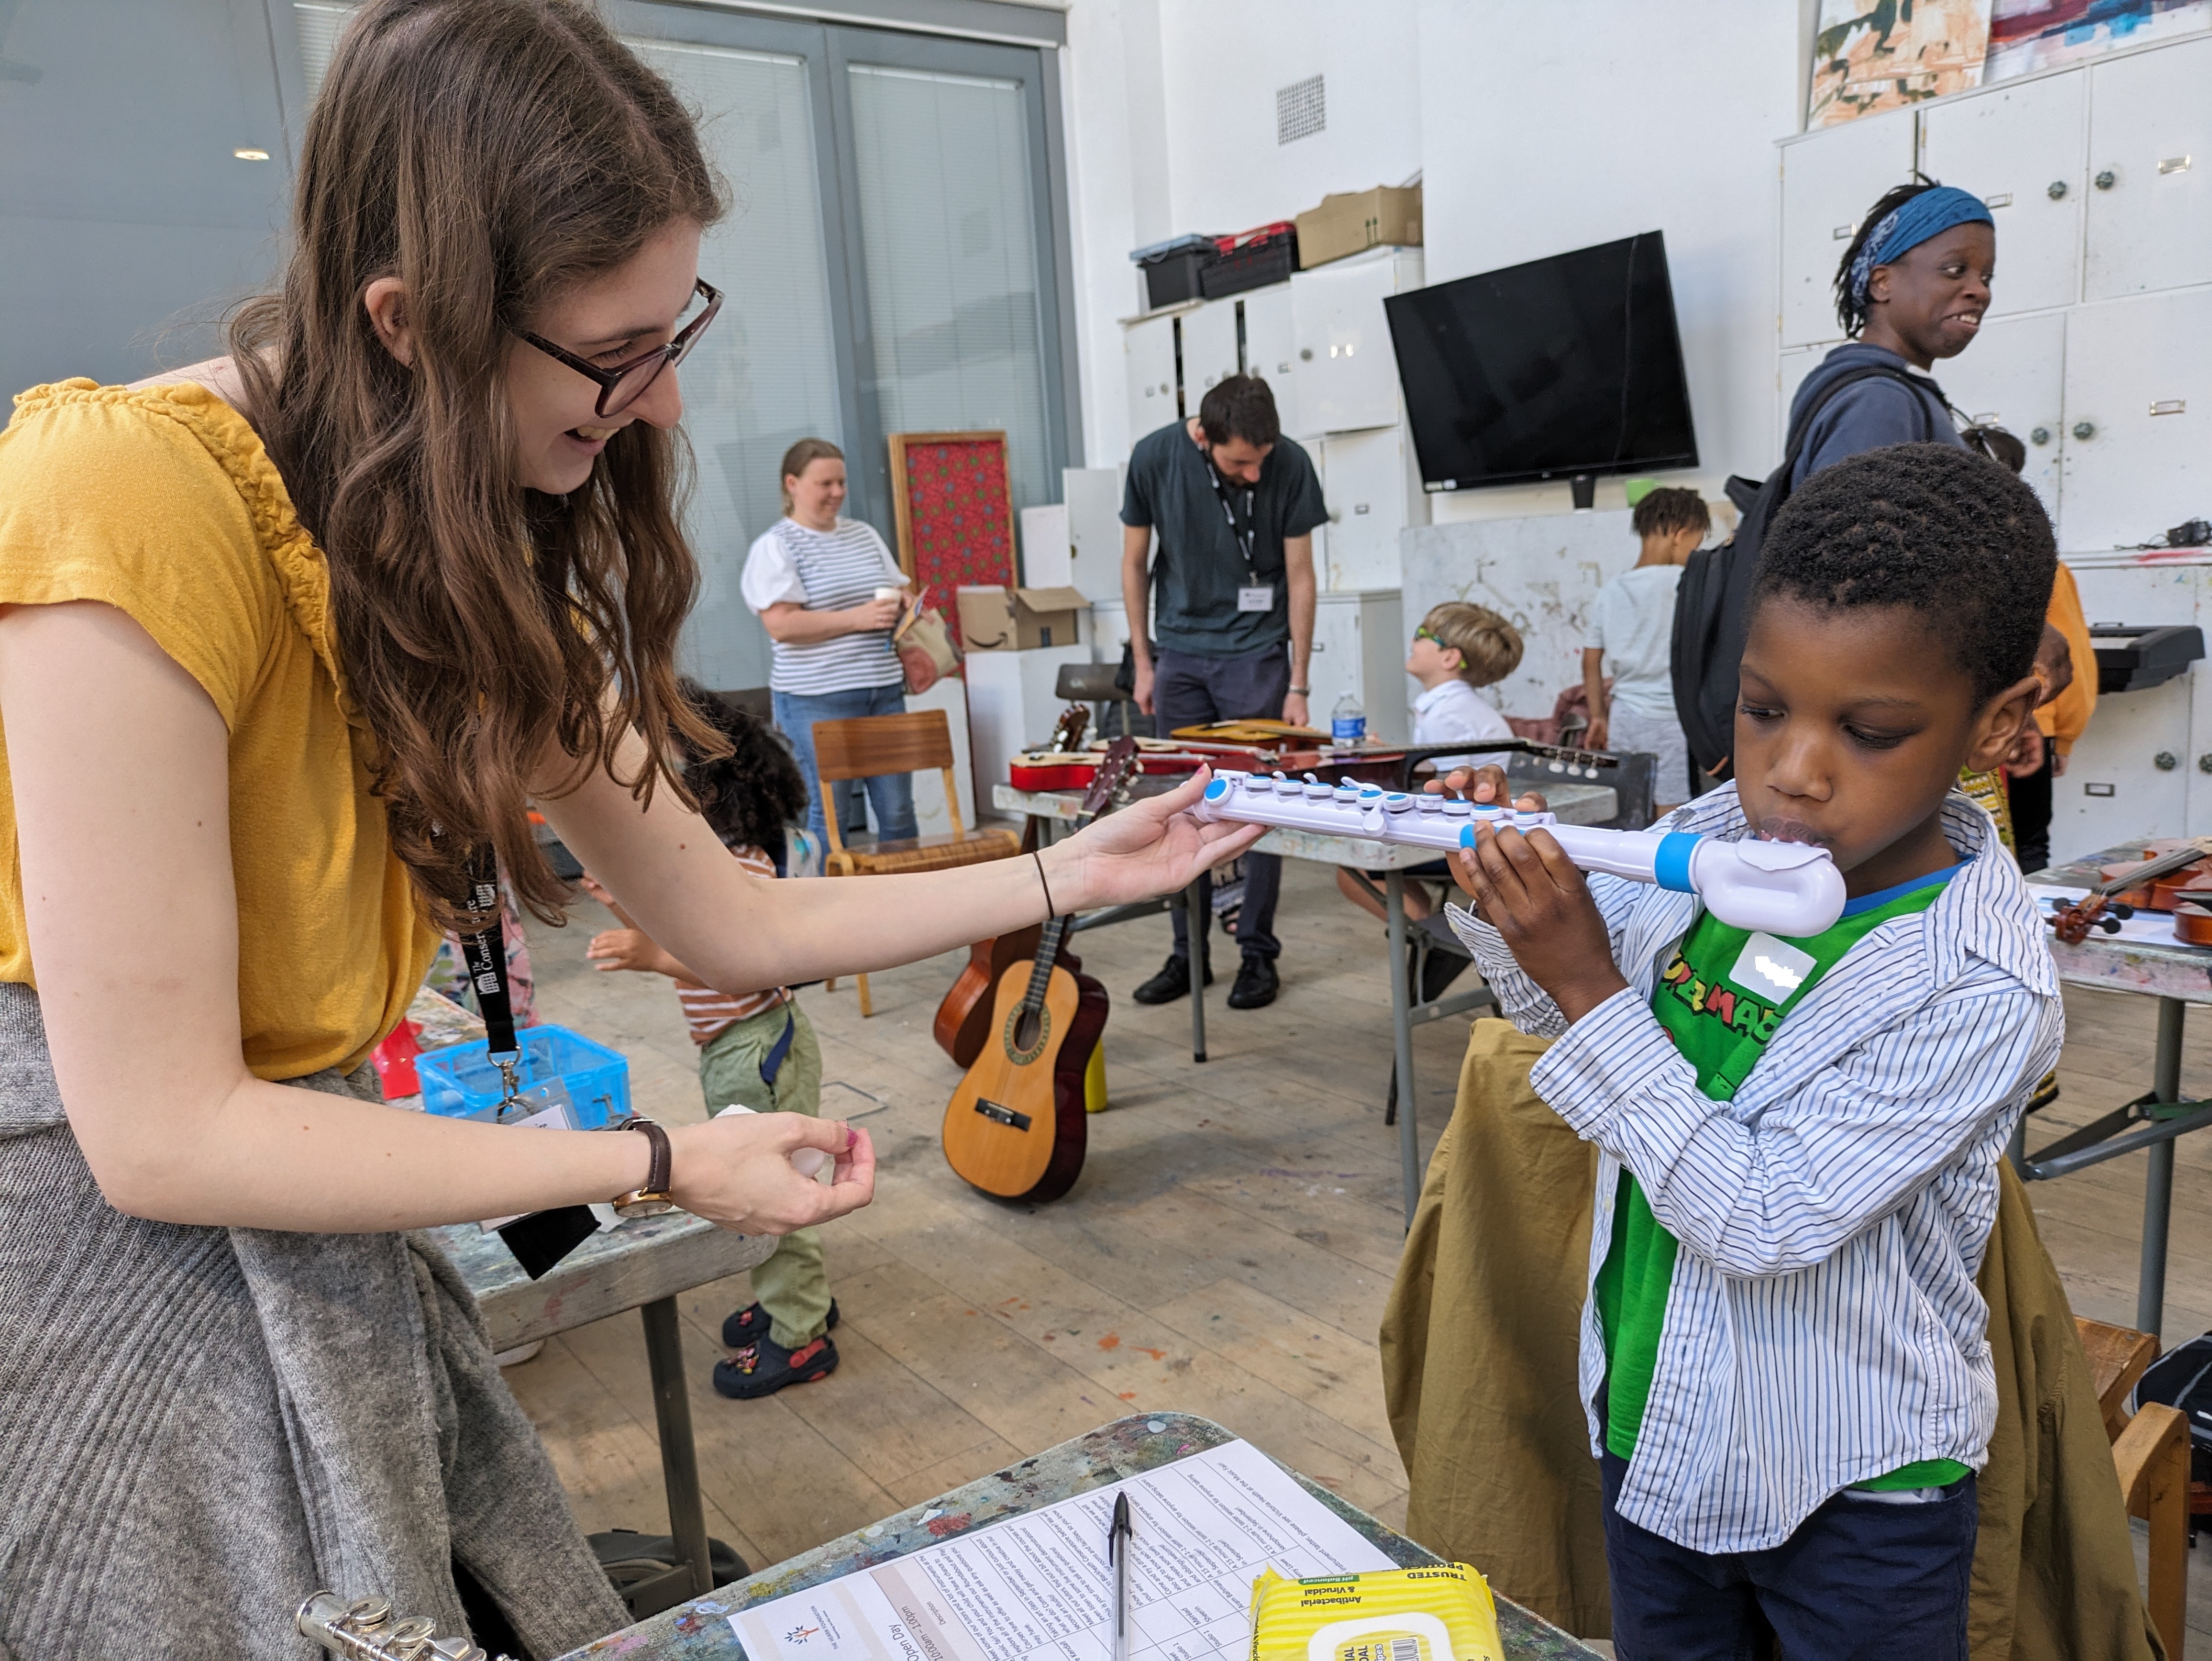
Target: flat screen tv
1564,367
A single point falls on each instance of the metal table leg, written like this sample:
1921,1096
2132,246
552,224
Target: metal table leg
679,1461
1401,1036
2158,1180
1194,917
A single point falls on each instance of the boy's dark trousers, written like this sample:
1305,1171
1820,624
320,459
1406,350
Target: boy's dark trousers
1859,1579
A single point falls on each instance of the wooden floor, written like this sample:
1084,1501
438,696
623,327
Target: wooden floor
1227,1251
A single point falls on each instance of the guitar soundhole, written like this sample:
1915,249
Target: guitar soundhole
1006,1116
1026,1030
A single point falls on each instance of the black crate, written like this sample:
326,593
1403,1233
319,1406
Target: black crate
1172,278
1255,265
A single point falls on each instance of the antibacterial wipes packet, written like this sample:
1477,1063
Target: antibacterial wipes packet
1439,1613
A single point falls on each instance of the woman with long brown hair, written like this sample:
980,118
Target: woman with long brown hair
284,639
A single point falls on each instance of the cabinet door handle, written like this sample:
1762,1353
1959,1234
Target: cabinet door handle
2085,430
2056,190
2040,435
2105,180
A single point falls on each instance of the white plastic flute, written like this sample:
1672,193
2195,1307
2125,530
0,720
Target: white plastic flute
1785,888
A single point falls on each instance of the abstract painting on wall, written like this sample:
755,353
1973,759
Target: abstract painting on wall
2027,35
1884,55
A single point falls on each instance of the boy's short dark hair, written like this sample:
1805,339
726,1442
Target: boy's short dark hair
1242,407
1932,527
1664,511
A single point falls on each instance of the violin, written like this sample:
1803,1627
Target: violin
2100,910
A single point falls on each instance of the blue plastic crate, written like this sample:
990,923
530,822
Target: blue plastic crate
461,1082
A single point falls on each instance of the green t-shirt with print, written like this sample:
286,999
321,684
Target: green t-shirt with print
1721,998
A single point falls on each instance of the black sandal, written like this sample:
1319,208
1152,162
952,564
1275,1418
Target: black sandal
764,1366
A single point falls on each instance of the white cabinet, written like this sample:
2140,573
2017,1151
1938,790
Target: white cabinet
1209,350
1373,491
1271,352
1359,646
1093,495
1829,180
1011,706
2138,454
1348,375
1148,351
2020,149
2015,376
2150,168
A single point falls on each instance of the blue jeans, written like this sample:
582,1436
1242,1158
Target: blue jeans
1860,1581
891,794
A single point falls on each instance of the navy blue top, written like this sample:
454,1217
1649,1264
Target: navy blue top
1869,413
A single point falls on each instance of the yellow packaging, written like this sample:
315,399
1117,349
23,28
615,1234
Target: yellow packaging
1439,1613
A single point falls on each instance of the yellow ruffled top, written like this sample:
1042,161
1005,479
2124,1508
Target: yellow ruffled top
163,503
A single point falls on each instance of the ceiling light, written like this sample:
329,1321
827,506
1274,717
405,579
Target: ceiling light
251,156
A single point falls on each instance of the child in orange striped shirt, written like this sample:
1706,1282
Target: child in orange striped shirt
757,1049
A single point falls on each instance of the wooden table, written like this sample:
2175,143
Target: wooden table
699,1630
1575,804
2177,976
642,1265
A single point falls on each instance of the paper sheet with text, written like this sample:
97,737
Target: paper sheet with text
1037,1587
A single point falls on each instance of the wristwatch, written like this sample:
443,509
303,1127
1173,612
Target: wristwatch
652,1200
1300,691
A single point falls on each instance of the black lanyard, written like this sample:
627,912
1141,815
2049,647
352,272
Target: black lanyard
484,956
1245,533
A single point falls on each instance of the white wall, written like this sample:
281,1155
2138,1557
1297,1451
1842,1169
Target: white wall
1535,129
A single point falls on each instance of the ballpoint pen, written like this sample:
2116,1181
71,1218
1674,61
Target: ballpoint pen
1117,1553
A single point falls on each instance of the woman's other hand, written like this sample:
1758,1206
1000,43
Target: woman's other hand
737,1171
1150,847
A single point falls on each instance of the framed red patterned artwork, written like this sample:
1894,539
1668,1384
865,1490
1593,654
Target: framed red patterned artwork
955,512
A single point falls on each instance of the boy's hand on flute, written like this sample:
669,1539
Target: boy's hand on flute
1527,889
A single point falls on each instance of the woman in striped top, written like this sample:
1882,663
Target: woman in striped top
818,583
757,1049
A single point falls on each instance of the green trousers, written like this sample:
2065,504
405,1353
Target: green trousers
791,1285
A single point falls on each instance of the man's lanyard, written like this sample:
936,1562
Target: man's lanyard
483,955
1245,533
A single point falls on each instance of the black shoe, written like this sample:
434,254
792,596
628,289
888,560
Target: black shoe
752,1322
1256,983
764,1366
1172,981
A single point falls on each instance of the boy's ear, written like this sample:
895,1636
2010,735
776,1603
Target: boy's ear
1452,658
2001,722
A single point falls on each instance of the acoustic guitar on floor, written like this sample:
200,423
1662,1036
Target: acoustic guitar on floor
1015,1128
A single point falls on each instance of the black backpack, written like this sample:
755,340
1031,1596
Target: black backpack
2182,1378
1716,586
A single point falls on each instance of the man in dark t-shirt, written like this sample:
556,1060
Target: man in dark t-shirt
1231,601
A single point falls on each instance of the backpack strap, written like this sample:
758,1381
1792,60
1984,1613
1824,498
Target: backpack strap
1801,429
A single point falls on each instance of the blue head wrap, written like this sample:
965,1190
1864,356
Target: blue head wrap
1910,224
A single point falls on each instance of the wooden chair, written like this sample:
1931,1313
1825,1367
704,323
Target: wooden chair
868,746
2150,1452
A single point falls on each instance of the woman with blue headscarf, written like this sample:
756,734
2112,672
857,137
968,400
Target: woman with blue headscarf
1911,288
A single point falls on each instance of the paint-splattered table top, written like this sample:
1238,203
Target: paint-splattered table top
2156,967
699,1630
644,1259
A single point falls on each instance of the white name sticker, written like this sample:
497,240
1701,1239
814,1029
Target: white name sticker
1256,597
1771,966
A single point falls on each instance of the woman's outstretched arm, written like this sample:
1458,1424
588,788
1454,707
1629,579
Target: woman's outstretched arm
119,764
742,933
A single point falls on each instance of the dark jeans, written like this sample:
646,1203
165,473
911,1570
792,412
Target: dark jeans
2031,813
1860,1581
1188,690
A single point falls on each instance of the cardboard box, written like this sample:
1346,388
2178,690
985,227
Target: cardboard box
1356,222
1019,619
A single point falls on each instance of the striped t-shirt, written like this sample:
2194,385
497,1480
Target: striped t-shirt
709,1012
825,571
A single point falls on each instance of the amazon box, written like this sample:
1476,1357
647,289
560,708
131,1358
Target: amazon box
1019,619
1360,220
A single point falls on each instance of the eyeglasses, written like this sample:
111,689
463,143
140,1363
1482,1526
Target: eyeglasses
624,384
1424,632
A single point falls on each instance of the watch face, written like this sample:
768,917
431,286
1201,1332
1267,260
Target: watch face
656,1206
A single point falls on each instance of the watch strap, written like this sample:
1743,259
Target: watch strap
656,1176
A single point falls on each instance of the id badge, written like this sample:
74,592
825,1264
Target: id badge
545,1106
1256,597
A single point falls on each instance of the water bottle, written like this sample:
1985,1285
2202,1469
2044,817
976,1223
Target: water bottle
1347,722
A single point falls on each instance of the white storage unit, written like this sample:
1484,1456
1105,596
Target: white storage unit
1011,706
1148,351
2150,171
1373,489
1347,374
2137,408
1271,352
2021,149
1045,561
1093,495
950,694
1359,646
1209,350
2015,376
1829,179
